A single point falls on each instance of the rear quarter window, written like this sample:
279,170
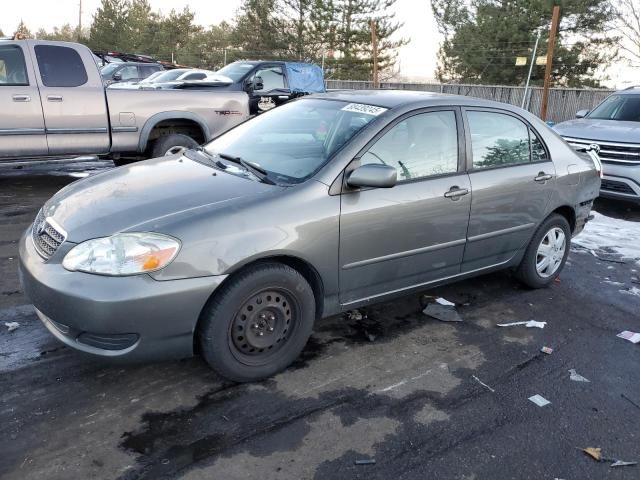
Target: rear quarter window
60,66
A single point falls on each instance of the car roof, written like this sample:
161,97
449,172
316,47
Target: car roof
397,98
635,90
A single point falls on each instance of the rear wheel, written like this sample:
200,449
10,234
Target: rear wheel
547,253
164,145
258,324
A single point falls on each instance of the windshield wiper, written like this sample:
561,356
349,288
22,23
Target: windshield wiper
256,170
210,156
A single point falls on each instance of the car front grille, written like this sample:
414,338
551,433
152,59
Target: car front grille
617,187
610,152
46,236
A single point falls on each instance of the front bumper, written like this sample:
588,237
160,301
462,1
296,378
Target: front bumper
134,317
621,182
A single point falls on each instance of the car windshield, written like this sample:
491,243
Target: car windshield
293,141
236,70
618,107
109,68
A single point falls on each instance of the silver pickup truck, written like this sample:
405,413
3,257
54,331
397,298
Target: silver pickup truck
53,105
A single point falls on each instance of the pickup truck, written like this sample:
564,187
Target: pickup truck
53,105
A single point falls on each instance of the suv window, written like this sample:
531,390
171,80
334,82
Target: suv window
60,66
272,78
128,73
498,139
13,70
146,70
419,146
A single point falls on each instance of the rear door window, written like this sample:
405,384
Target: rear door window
498,140
60,66
13,71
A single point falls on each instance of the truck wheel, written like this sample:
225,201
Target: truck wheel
164,144
547,253
258,323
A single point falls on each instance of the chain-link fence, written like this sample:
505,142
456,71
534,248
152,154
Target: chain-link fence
563,102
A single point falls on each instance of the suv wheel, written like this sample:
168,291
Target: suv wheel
163,145
258,323
547,253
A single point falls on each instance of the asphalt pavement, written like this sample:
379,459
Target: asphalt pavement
422,398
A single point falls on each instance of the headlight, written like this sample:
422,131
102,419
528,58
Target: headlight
122,254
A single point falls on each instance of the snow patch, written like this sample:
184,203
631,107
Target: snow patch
605,236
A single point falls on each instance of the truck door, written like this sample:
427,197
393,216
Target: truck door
73,99
21,123
271,94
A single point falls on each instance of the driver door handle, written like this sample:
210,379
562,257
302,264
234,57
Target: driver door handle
21,98
456,192
543,177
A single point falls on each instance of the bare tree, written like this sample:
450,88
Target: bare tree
627,24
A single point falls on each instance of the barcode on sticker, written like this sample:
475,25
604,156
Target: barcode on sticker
363,108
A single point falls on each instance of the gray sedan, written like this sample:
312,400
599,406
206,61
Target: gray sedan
325,204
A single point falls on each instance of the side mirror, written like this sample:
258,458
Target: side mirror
258,84
117,76
373,175
582,113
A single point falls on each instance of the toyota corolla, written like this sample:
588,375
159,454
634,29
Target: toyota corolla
328,203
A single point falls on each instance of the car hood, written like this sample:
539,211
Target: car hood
124,198
602,130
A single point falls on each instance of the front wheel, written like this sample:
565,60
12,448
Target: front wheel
258,323
546,254
165,144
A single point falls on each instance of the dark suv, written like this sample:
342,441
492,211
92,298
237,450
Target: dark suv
614,126
128,71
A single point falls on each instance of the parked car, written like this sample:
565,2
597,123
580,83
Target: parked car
161,77
53,104
128,71
614,126
326,204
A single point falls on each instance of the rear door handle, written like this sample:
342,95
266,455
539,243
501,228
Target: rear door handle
54,98
21,98
456,192
543,177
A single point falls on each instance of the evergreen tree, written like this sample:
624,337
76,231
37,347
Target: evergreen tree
109,30
483,39
22,31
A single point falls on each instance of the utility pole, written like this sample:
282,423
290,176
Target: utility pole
80,20
374,43
547,71
533,59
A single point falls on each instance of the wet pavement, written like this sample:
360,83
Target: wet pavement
395,386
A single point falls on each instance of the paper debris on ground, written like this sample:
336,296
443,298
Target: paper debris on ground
445,302
547,350
355,315
622,463
11,326
576,377
595,453
539,400
442,312
529,324
483,384
633,337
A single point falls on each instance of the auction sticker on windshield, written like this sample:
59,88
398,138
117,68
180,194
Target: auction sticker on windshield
363,108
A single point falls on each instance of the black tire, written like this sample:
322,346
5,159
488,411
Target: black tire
258,323
162,145
527,271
